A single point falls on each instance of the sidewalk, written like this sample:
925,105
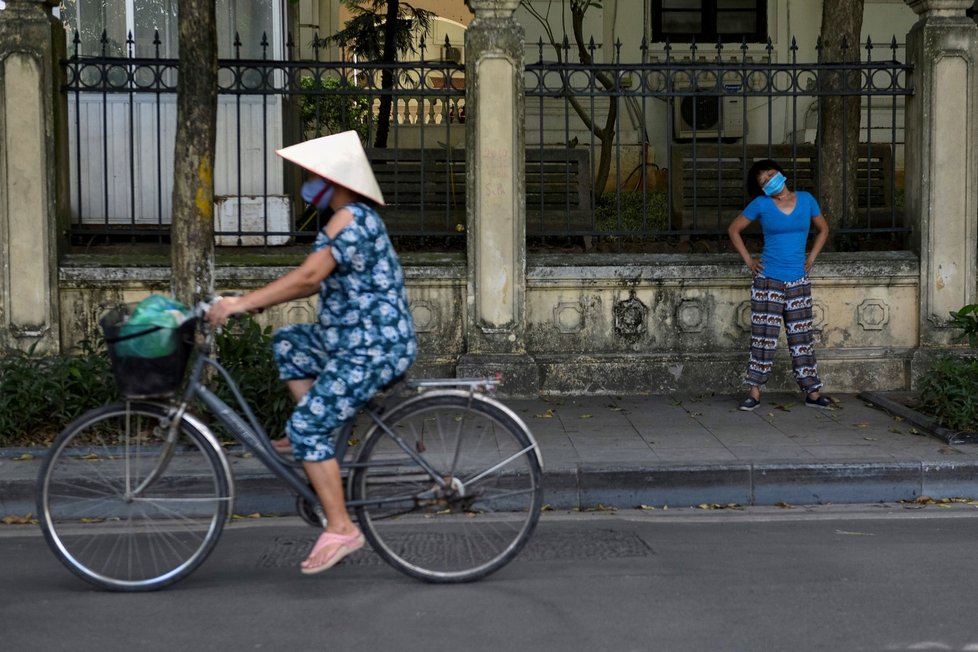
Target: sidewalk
679,451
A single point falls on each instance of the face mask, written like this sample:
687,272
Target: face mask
318,192
774,185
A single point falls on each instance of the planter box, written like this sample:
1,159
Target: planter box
264,221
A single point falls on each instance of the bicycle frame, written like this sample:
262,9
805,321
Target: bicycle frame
253,437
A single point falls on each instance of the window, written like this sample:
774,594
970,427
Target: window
142,18
706,21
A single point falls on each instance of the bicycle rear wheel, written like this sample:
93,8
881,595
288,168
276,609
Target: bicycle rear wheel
124,511
491,504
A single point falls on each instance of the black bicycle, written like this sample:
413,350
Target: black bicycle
445,482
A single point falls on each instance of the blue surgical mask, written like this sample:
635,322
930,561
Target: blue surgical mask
318,192
775,184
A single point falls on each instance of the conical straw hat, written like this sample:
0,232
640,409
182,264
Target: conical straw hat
339,158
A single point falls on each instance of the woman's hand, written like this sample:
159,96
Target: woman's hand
219,312
809,264
755,265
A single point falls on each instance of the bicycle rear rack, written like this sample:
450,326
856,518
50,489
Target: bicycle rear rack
473,384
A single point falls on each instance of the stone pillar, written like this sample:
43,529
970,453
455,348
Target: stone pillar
942,163
496,208
33,141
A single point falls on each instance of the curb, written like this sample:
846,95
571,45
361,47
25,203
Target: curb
883,401
590,486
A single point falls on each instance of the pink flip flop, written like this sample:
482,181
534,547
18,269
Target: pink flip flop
345,544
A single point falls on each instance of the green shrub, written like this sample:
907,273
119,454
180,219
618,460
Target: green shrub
949,392
333,106
40,395
966,320
633,219
244,348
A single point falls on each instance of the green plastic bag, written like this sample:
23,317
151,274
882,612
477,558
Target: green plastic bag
154,310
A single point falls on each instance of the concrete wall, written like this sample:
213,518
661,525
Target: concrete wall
611,323
595,323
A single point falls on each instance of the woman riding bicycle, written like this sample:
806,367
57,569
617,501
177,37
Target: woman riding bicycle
363,337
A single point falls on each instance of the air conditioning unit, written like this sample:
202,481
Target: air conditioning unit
707,115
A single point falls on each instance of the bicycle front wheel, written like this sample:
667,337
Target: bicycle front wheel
125,508
489,504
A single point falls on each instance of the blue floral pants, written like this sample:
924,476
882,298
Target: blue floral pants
343,381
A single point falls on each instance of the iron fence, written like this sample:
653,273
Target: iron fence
122,119
618,154
686,125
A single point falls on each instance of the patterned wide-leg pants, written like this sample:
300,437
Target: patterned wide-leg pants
771,303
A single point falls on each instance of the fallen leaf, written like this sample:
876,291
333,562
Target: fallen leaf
600,508
870,439
547,508
646,507
549,414
896,431
586,416
861,424
27,519
784,505
240,516
90,456
26,457
855,534
784,407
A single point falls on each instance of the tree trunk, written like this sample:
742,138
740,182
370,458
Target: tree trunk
838,129
387,75
192,230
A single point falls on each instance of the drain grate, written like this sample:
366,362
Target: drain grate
545,545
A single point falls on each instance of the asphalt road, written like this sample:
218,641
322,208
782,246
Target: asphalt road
882,577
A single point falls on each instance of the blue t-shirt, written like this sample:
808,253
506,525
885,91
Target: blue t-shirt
785,234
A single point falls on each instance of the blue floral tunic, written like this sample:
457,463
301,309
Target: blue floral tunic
362,339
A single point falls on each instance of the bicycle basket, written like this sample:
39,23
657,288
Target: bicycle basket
147,360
